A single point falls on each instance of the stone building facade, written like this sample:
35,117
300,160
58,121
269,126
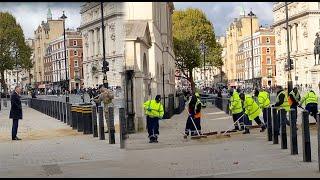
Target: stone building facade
43,35
149,53
304,23
239,28
91,31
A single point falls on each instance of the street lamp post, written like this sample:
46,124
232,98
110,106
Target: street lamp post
288,51
252,64
163,85
105,67
203,50
65,56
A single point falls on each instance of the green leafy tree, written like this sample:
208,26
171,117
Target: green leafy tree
13,49
190,26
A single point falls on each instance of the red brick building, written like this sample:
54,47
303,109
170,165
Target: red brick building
55,71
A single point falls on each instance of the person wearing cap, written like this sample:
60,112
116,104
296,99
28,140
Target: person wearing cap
252,110
194,110
263,102
236,109
294,98
154,111
311,102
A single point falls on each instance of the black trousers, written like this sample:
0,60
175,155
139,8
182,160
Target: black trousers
153,127
265,115
15,124
190,126
312,108
236,117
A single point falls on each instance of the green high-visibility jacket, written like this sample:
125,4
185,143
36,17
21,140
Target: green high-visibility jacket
285,103
310,97
235,103
295,96
251,107
153,109
263,99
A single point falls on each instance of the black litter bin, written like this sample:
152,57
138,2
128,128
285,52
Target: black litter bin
79,119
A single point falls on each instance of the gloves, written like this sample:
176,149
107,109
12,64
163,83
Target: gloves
149,109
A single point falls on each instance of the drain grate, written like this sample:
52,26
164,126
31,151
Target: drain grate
51,169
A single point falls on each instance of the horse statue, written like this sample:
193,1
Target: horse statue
317,49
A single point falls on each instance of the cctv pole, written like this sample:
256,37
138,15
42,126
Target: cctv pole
288,50
105,79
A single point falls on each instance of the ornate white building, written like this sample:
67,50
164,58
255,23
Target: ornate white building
91,30
304,23
149,53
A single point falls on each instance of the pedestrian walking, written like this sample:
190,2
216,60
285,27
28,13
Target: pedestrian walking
311,102
194,110
252,110
154,111
263,102
15,111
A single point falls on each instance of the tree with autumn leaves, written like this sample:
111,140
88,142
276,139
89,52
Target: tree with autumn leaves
190,26
13,49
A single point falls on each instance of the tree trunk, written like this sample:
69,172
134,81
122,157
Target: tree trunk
29,76
221,74
3,83
190,79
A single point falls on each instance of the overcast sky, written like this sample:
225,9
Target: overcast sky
222,14
30,14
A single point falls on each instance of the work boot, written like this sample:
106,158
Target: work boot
236,129
246,131
263,128
156,140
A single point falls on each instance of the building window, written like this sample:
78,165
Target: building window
268,40
318,5
268,60
75,63
75,53
75,43
268,50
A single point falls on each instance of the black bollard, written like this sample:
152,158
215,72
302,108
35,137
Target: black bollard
61,111
318,128
94,121
123,128
284,143
101,123
293,132
80,119
69,116
275,127
111,126
64,112
74,124
269,123
306,145
87,122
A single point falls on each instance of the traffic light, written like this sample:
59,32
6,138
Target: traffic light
291,64
105,66
289,67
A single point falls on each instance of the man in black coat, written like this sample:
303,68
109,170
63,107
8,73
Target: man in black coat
15,111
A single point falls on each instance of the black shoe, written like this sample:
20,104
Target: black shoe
263,128
151,141
246,131
235,129
16,139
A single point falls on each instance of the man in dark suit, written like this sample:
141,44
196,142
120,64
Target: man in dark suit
15,111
